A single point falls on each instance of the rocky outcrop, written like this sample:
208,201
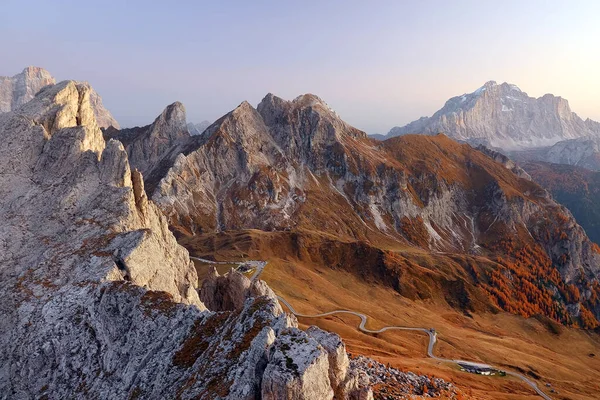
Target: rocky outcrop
229,292
336,354
99,301
298,369
147,146
504,116
21,88
103,117
54,153
391,383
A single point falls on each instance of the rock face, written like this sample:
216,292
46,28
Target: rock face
228,292
391,383
581,152
103,117
298,369
147,145
296,166
503,116
99,301
576,188
21,88
336,354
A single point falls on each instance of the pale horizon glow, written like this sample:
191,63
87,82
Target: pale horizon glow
378,64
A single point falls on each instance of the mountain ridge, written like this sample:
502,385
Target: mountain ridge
502,115
94,280
296,166
21,88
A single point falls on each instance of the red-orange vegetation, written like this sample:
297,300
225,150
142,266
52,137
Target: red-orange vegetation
526,283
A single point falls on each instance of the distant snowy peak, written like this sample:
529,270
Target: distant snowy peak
504,91
504,116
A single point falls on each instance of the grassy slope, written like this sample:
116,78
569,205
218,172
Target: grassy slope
537,347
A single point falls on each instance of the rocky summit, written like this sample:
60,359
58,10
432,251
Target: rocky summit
99,300
503,116
147,145
21,88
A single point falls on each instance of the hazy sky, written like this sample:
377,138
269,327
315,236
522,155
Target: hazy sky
377,63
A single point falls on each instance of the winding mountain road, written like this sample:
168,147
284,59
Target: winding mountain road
432,340
260,265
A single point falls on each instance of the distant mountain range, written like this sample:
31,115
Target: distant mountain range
582,152
505,117
295,166
197,129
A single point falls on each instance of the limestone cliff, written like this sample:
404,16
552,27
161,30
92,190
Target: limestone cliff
21,88
99,301
147,145
501,115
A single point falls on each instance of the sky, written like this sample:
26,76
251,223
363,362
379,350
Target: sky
379,64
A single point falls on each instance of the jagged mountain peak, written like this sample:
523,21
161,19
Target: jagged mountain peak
490,88
147,145
487,85
37,72
74,100
306,115
21,88
91,272
244,107
309,100
174,117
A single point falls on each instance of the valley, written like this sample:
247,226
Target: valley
422,253
544,351
299,200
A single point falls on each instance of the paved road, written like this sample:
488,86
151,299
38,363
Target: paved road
260,265
432,340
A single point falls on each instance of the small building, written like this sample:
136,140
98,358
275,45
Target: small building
479,369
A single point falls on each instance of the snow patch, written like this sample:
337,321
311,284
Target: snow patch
514,87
